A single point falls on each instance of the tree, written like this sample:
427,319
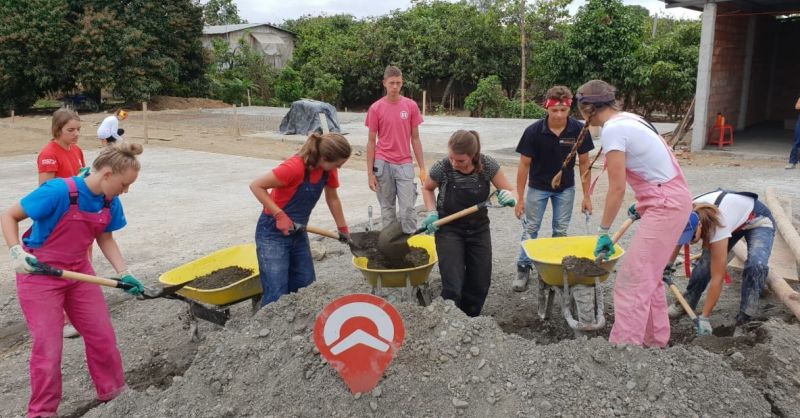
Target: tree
34,40
221,12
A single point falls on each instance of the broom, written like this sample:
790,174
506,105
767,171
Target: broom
556,182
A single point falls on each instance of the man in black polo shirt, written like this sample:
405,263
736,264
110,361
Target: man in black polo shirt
543,148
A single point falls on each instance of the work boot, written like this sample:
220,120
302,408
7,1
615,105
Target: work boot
790,166
675,311
523,277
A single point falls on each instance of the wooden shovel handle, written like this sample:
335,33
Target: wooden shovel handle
460,214
323,232
682,301
624,227
92,279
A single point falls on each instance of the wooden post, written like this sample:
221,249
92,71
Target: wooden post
144,117
236,131
424,101
248,98
13,117
784,222
522,49
323,123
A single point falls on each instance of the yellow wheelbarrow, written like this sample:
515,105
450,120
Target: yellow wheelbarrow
555,281
213,305
414,280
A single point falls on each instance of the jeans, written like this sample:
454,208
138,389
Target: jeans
465,263
284,262
793,157
535,205
756,267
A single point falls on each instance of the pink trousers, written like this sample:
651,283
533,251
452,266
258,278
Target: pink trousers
44,300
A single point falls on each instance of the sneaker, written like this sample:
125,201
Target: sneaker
70,331
790,166
523,277
675,311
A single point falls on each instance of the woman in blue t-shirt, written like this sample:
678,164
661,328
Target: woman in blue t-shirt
68,215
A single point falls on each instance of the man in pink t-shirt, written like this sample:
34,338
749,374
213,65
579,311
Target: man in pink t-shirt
393,123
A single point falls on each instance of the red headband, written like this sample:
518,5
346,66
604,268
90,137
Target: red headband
555,102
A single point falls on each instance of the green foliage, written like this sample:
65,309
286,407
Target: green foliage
289,86
490,101
136,48
221,12
235,72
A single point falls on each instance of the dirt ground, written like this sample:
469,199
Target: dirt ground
507,362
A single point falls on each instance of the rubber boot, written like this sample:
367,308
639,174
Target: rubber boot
520,284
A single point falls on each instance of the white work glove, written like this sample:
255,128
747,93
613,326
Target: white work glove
506,198
21,261
702,326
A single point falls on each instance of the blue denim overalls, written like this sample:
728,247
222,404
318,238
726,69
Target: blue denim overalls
284,262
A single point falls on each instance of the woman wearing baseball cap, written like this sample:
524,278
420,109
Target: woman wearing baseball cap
720,219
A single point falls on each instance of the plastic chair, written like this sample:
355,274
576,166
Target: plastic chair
725,133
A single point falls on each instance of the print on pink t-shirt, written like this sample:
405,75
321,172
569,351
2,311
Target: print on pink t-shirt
393,123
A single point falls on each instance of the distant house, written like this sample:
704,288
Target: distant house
749,62
275,43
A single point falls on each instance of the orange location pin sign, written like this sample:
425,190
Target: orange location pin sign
358,335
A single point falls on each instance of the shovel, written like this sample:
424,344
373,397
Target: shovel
393,242
149,293
356,241
679,297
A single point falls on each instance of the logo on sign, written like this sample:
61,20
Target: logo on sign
358,335
404,115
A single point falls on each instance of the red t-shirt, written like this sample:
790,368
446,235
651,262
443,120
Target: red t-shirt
292,173
65,163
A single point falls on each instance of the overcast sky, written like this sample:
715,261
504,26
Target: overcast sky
276,11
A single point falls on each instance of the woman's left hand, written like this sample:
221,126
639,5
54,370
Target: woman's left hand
506,198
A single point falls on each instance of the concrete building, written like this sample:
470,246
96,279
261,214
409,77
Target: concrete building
275,43
749,67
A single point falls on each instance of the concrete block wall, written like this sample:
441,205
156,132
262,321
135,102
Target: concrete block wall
727,66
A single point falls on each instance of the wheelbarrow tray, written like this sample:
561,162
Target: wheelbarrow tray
397,277
547,254
243,256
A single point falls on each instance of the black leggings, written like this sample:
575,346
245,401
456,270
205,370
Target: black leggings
465,263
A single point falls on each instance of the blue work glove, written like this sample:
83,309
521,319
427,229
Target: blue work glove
84,172
506,198
137,286
702,326
633,213
604,244
428,223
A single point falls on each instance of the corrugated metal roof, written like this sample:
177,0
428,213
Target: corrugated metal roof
223,29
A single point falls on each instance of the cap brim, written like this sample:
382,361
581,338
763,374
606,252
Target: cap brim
686,237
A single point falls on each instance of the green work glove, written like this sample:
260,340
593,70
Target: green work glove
633,213
136,289
429,222
84,172
604,244
702,326
506,198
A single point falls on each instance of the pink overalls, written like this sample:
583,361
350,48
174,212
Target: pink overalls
640,305
44,299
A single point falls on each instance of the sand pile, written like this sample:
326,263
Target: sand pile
452,365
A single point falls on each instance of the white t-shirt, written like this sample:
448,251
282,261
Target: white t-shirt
645,152
734,208
109,128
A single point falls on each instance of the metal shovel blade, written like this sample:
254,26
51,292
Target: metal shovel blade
393,243
160,292
364,244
